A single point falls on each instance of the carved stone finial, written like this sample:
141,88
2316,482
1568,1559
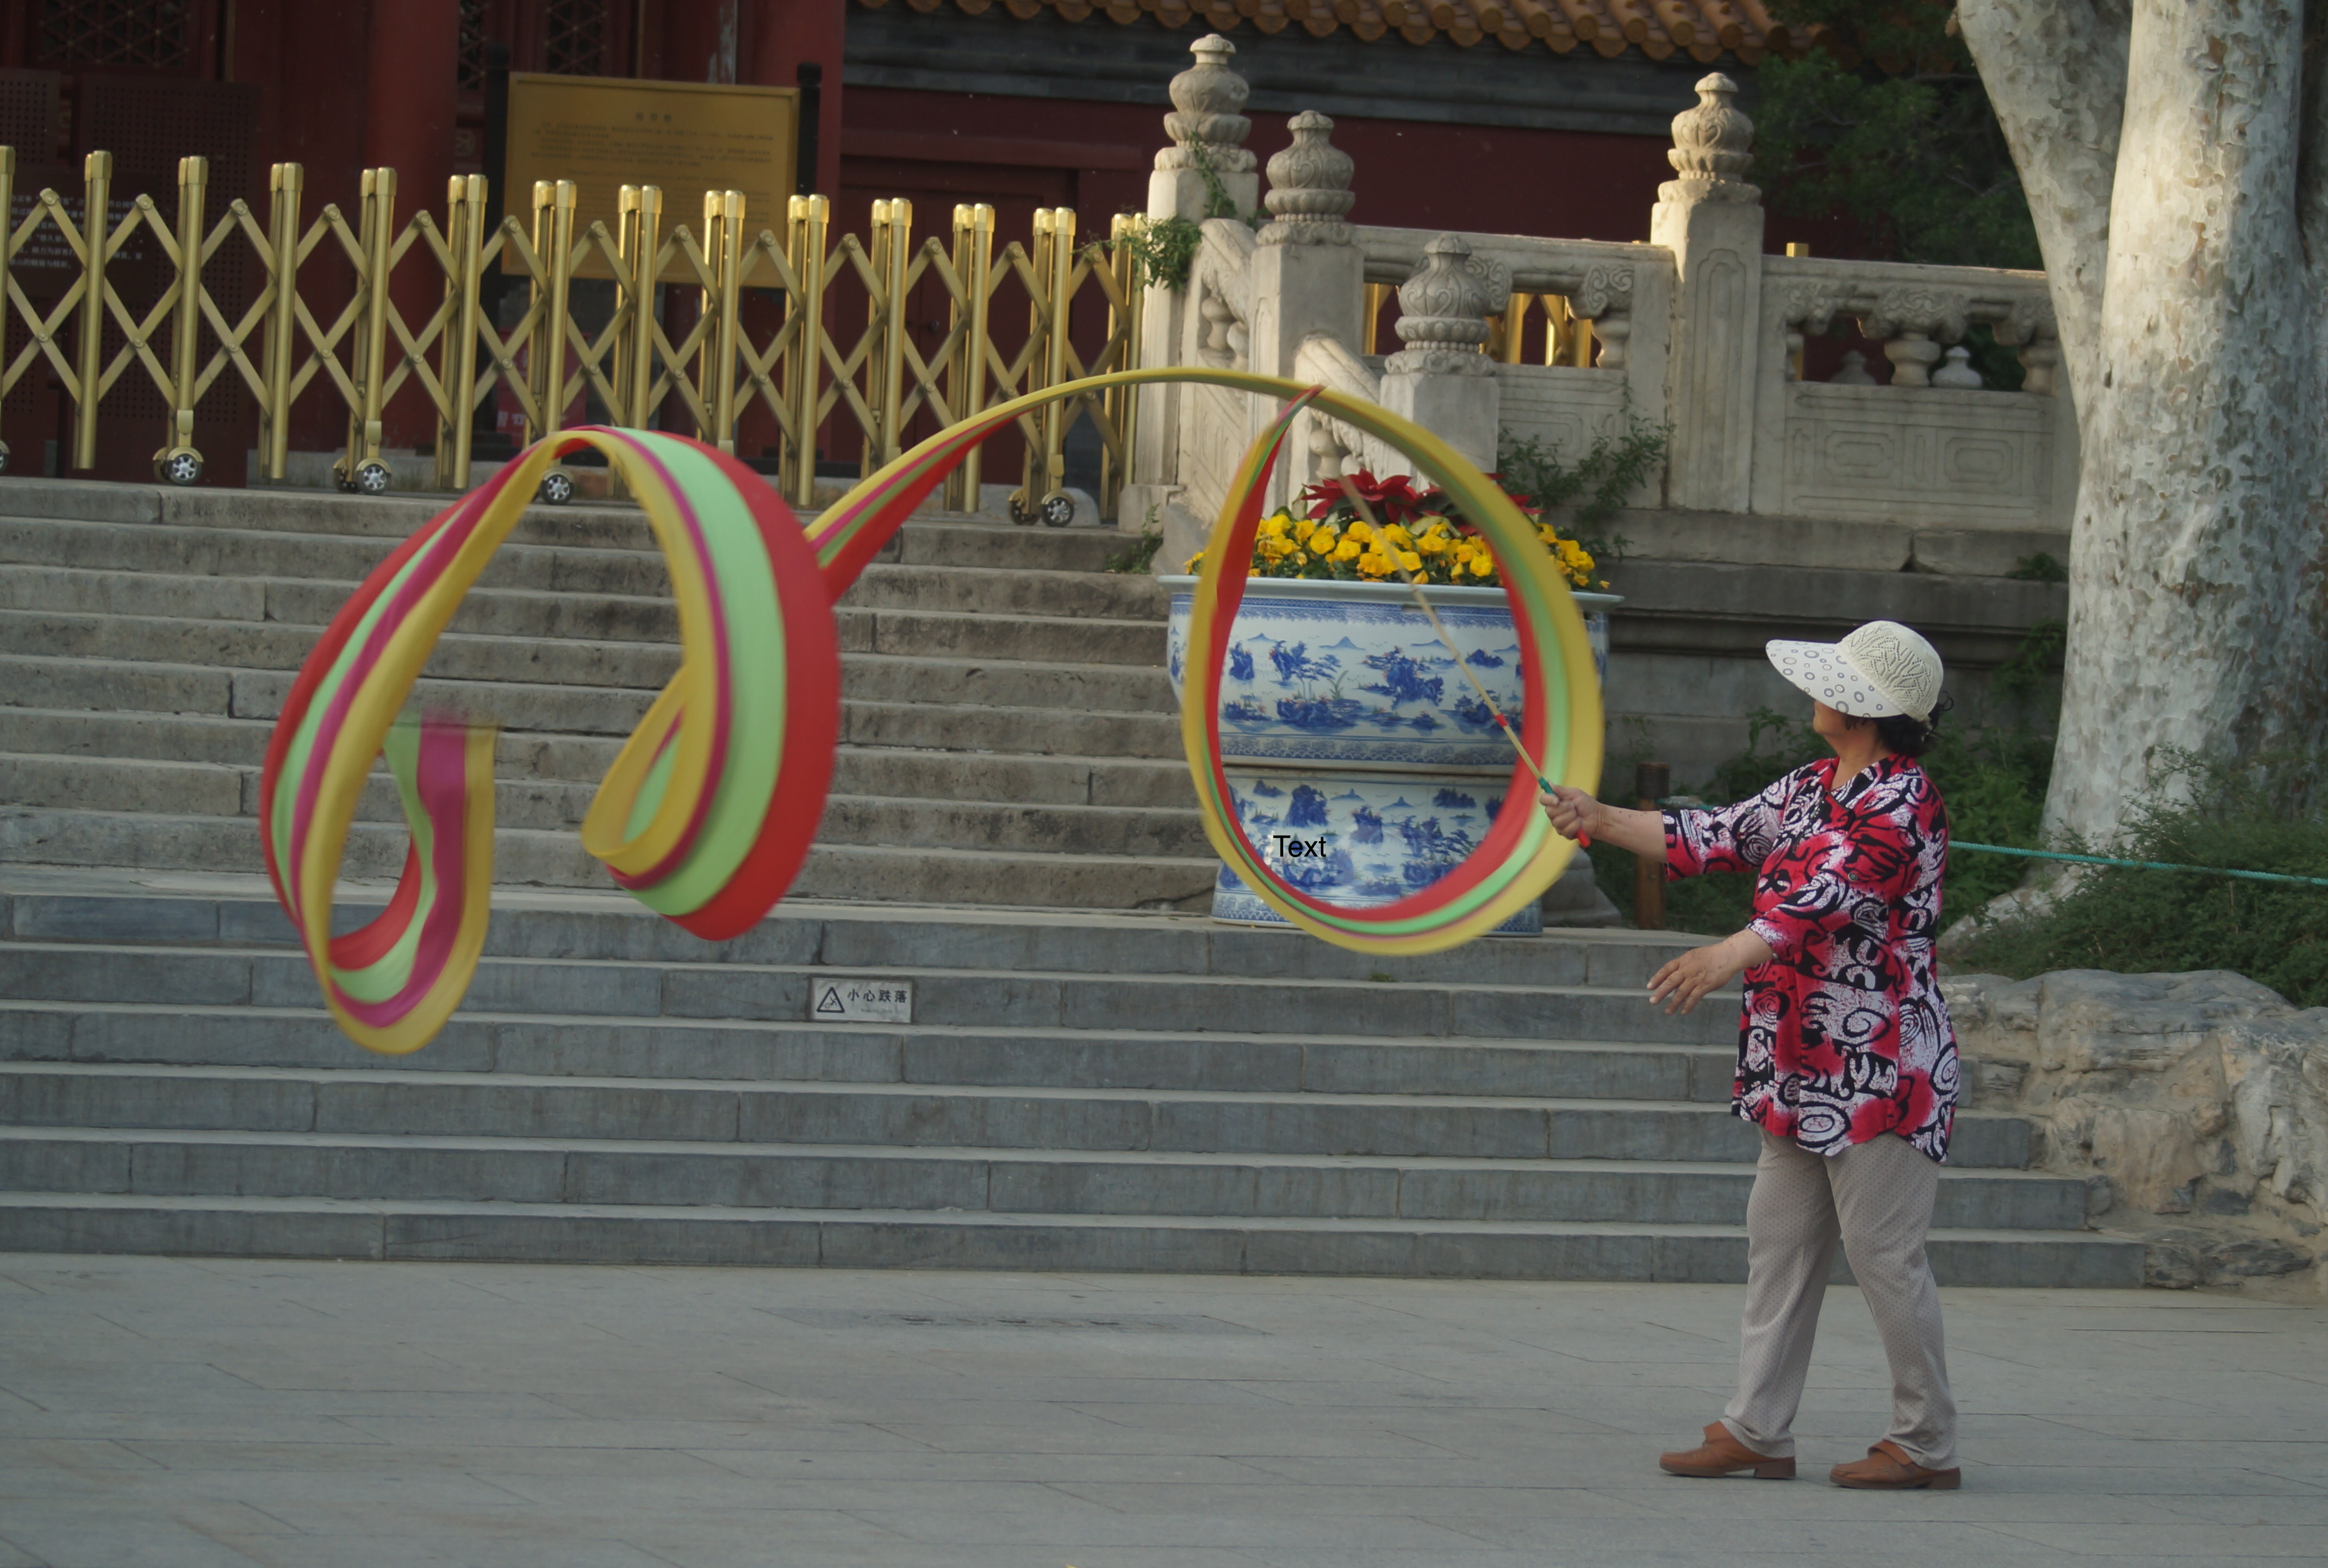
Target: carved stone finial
1447,302
1712,146
1309,186
1206,99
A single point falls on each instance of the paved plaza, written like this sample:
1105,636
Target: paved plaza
185,1413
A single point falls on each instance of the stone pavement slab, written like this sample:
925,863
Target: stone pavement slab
184,1413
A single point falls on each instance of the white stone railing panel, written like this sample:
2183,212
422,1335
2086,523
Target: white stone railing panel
1911,450
1922,456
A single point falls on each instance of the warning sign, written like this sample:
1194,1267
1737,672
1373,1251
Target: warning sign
840,1001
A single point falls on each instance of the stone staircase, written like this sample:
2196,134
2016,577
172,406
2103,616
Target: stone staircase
1010,736
1095,1091
1092,1078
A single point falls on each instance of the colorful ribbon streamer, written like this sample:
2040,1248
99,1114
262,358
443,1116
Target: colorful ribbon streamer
709,808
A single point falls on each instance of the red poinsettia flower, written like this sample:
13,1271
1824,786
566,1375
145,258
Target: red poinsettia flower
1393,500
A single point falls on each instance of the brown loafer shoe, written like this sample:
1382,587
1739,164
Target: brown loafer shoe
1721,1454
1888,1468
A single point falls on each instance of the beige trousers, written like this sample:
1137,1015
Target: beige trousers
1876,1199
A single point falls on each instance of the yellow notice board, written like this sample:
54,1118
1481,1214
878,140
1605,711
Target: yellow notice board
603,133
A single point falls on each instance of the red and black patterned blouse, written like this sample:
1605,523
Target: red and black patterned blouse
1844,1035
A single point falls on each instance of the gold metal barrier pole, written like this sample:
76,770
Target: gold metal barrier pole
553,242
364,470
812,214
877,361
722,342
1121,407
893,325
97,194
1061,289
647,232
285,182
973,264
1038,359
626,246
177,463
465,212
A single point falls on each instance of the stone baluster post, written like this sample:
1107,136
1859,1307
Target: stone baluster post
1711,220
1440,379
1912,323
1207,135
1309,273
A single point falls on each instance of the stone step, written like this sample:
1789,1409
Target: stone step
209,790
208,554
889,1239
929,538
974,997
447,1104
240,911
37,1156
535,857
179,1035
925,774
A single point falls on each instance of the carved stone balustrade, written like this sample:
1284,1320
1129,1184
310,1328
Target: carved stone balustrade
1698,333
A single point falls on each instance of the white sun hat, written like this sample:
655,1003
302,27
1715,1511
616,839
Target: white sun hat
1879,671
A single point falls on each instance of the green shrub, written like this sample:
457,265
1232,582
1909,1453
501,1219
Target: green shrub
2195,813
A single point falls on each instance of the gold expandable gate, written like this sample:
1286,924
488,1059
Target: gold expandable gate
714,286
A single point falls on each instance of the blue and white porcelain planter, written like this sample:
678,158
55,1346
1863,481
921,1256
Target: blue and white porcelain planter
1361,763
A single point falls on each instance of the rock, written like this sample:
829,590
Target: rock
2202,1095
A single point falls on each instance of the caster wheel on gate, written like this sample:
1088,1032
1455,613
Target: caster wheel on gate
556,488
372,477
1020,513
1057,510
179,465
339,481
4,457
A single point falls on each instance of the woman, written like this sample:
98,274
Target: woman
1846,1060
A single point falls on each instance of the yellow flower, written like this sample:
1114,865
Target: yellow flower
1359,531
1398,536
1432,544
1273,528
1481,565
1300,558
1195,563
1410,560
1347,550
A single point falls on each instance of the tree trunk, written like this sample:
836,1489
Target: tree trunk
2159,142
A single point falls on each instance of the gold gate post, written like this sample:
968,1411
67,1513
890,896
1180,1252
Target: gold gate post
1121,407
876,334
973,267
464,218
1038,359
178,462
553,244
97,194
721,405
893,326
641,239
285,182
809,217
378,242
1060,288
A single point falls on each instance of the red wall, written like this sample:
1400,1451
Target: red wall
1572,183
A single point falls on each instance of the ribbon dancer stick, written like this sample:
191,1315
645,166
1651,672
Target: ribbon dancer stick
1423,603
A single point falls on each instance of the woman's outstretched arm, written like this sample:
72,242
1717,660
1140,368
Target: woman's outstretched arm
1574,812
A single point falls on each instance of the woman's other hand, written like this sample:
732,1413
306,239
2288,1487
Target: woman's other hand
1574,813
1683,981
